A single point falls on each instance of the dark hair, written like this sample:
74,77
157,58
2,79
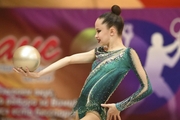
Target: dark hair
113,18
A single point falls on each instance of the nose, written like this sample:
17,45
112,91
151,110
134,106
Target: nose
96,36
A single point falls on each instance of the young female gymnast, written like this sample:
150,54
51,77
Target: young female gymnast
110,64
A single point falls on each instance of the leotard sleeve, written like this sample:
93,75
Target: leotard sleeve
145,86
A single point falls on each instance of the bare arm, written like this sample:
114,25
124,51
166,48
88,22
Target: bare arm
86,57
80,58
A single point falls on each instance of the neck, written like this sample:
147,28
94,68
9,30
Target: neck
115,44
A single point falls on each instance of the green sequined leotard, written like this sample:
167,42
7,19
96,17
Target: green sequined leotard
108,70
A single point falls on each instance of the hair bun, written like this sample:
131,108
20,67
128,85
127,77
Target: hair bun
116,9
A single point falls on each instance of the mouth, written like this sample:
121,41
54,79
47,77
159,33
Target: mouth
98,40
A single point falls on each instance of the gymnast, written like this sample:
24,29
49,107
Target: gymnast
111,62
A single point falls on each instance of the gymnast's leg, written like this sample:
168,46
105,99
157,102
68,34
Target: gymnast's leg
92,115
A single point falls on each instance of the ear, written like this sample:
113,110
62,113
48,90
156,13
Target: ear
112,31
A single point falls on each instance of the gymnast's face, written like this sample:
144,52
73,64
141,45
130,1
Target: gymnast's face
102,32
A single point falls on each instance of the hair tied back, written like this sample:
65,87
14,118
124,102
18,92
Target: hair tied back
116,9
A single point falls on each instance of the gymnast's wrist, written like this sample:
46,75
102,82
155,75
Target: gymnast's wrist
118,107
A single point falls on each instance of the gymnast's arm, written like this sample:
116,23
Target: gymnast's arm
145,86
86,57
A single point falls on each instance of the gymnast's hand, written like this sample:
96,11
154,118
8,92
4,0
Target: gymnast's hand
113,113
26,72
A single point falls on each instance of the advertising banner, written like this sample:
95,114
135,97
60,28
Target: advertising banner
56,33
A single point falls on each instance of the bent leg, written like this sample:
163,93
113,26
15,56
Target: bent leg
92,115
77,117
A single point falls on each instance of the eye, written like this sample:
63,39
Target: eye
98,31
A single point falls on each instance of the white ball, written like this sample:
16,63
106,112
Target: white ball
27,57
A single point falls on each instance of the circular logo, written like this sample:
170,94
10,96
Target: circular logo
158,53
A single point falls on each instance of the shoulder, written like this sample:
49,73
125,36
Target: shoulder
132,52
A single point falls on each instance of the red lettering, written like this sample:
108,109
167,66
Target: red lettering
38,41
49,49
23,41
6,47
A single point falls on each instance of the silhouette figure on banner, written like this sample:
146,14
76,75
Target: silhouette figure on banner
128,34
157,58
